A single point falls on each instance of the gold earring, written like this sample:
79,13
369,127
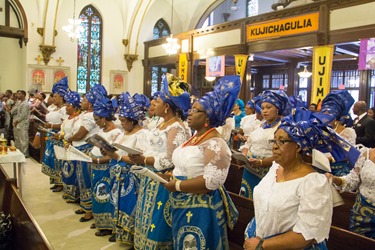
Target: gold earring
165,110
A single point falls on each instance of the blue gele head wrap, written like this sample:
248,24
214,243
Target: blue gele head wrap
251,104
279,99
155,95
296,102
240,104
103,107
218,104
338,104
132,107
257,104
61,87
73,98
97,91
175,93
311,133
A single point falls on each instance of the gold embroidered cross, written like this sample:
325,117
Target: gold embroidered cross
159,204
152,227
38,59
188,215
60,61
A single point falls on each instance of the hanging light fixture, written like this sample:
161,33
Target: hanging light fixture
74,27
171,46
210,78
305,73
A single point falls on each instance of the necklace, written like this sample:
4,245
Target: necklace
194,140
166,122
73,115
282,179
266,125
109,128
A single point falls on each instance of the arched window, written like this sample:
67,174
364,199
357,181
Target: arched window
89,49
252,7
161,29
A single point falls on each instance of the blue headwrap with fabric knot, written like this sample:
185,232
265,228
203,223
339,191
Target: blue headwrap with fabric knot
175,93
251,104
311,133
97,91
279,99
257,104
338,104
61,87
132,107
296,102
155,95
218,104
103,107
73,98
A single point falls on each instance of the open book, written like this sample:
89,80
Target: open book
130,151
240,157
34,117
146,172
98,141
70,154
46,130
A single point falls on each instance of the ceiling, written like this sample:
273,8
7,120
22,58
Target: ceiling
302,56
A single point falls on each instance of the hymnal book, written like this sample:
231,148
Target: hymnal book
130,151
34,117
71,154
46,130
100,142
146,172
320,161
240,157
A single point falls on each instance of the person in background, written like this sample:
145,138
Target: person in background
250,122
371,112
275,104
21,123
40,110
152,121
364,125
239,113
313,107
153,218
9,103
201,167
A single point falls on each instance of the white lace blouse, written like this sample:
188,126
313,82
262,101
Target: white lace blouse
303,205
138,141
110,137
210,159
361,177
164,142
249,123
57,116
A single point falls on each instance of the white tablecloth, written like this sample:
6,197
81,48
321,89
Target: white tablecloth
12,157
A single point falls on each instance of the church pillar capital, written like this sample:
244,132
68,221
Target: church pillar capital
130,58
47,51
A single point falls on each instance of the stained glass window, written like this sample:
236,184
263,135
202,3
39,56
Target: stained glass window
252,7
157,76
161,29
89,50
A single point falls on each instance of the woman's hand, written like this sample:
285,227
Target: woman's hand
103,152
56,137
137,159
66,145
171,185
251,244
256,163
47,125
112,155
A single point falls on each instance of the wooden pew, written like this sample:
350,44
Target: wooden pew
26,232
233,181
341,239
341,213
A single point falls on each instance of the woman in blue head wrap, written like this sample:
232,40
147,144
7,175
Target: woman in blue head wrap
125,187
152,206
293,203
274,104
54,118
251,121
153,120
102,208
201,167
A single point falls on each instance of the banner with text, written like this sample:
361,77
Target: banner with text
240,63
182,67
321,77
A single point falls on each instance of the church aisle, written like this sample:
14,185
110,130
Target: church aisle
56,217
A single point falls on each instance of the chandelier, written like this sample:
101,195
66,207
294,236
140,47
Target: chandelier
304,73
171,47
74,27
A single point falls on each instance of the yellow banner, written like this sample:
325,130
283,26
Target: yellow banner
321,77
183,66
283,27
240,63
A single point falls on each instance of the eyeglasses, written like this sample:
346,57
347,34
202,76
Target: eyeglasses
279,143
194,110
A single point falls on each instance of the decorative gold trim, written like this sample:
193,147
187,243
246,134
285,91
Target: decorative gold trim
125,42
47,51
40,31
130,58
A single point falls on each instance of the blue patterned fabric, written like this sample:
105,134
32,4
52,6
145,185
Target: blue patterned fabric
103,107
124,196
50,165
279,99
338,104
96,92
250,232
218,104
296,102
257,104
251,104
309,133
175,93
362,217
155,95
61,87
133,107
73,98
83,171
215,207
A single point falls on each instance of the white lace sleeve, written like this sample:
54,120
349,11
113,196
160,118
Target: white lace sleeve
176,136
88,122
217,157
349,135
352,180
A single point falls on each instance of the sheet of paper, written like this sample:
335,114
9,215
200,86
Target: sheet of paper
146,172
130,151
